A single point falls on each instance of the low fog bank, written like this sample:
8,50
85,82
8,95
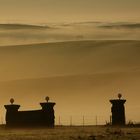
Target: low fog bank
15,34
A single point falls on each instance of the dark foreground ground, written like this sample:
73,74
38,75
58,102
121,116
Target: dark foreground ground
71,133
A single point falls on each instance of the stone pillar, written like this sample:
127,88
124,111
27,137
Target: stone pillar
118,111
48,117
11,113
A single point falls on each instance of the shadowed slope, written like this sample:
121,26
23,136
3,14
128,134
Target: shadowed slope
21,26
81,76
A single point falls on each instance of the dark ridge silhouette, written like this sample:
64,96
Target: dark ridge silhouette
32,118
82,23
21,26
118,111
121,26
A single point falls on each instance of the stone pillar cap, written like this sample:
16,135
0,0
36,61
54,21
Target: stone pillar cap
118,101
12,107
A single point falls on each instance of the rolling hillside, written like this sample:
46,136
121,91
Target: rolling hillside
75,74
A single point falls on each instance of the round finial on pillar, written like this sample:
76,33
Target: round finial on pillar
119,96
12,100
47,99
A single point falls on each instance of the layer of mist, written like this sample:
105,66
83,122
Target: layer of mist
15,34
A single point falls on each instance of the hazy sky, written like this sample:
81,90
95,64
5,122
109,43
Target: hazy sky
68,10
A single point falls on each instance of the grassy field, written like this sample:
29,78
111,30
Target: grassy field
71,133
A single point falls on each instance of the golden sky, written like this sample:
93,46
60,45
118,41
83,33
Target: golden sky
68,10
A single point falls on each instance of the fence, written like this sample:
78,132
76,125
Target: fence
81,120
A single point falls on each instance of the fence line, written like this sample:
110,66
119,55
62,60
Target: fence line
81,120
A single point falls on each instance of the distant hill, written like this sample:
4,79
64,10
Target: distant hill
81,76
21,26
